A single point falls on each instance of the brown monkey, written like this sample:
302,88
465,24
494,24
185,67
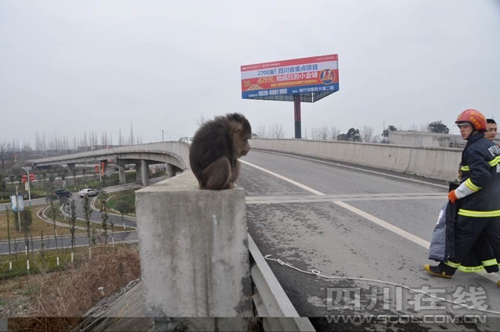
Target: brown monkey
215,150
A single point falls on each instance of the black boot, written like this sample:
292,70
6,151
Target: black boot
442,270
491,269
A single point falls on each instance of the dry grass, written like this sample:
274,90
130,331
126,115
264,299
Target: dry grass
36,228
71,293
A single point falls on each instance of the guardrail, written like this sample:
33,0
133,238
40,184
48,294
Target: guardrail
271,301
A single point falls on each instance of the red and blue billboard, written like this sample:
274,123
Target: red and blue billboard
310,78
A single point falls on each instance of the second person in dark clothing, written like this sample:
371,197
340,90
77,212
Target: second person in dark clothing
477,196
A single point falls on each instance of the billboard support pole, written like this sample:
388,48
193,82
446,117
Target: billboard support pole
296,107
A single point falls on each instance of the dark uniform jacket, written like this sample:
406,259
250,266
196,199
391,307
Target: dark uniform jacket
480,168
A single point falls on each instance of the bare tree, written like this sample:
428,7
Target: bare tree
424,126
367,134
324,133
320,133
103,198
277,131
4,149
72,227
413,127
334,133
120,138
315,133
53,215
261,132
123,207
87,212
131,135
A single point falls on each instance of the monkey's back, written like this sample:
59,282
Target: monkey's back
211,142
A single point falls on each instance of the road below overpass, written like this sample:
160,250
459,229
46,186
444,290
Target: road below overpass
18,245
368,230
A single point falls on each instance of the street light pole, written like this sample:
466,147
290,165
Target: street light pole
27,169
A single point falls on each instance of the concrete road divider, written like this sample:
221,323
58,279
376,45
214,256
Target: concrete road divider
435,163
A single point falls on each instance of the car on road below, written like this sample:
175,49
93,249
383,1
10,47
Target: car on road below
88,191
58,194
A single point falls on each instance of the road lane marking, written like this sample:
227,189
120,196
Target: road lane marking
385,224
356,168
284,178
283,199
266,200
380,222
415,239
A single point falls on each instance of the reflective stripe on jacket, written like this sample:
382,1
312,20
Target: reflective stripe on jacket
480,168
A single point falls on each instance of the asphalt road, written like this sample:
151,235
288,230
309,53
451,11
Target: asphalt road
119,235
370,235
18,245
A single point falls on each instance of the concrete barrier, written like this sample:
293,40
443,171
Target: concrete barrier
194,250
435,163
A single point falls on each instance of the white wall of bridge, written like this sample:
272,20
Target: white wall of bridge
435,163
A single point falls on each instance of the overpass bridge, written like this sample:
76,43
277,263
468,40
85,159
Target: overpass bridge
174,154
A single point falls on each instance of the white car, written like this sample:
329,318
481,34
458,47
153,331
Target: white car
88,191
187,139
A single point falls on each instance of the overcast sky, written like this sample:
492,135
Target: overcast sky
72,66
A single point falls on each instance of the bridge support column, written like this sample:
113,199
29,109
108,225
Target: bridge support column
169,171
138,171
144,173
121,174
194,250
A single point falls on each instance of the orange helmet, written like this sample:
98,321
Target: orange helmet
474,117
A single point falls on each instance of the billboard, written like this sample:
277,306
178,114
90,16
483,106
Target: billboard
17,203
310,78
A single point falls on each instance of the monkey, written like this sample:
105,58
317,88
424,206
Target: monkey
217,145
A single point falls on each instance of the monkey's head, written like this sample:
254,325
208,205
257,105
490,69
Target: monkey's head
241,132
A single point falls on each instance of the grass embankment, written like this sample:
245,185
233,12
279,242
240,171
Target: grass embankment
71,290
38,226
126,195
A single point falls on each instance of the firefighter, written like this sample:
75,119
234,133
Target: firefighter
491,129
477,197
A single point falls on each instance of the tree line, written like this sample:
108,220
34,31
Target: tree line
332,133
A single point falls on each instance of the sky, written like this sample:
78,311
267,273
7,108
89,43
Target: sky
69,67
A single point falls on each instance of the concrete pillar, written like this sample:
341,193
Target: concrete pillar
121,174
145,173
169,170
138,171
194,250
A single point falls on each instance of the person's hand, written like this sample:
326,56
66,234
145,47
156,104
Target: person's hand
452,196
